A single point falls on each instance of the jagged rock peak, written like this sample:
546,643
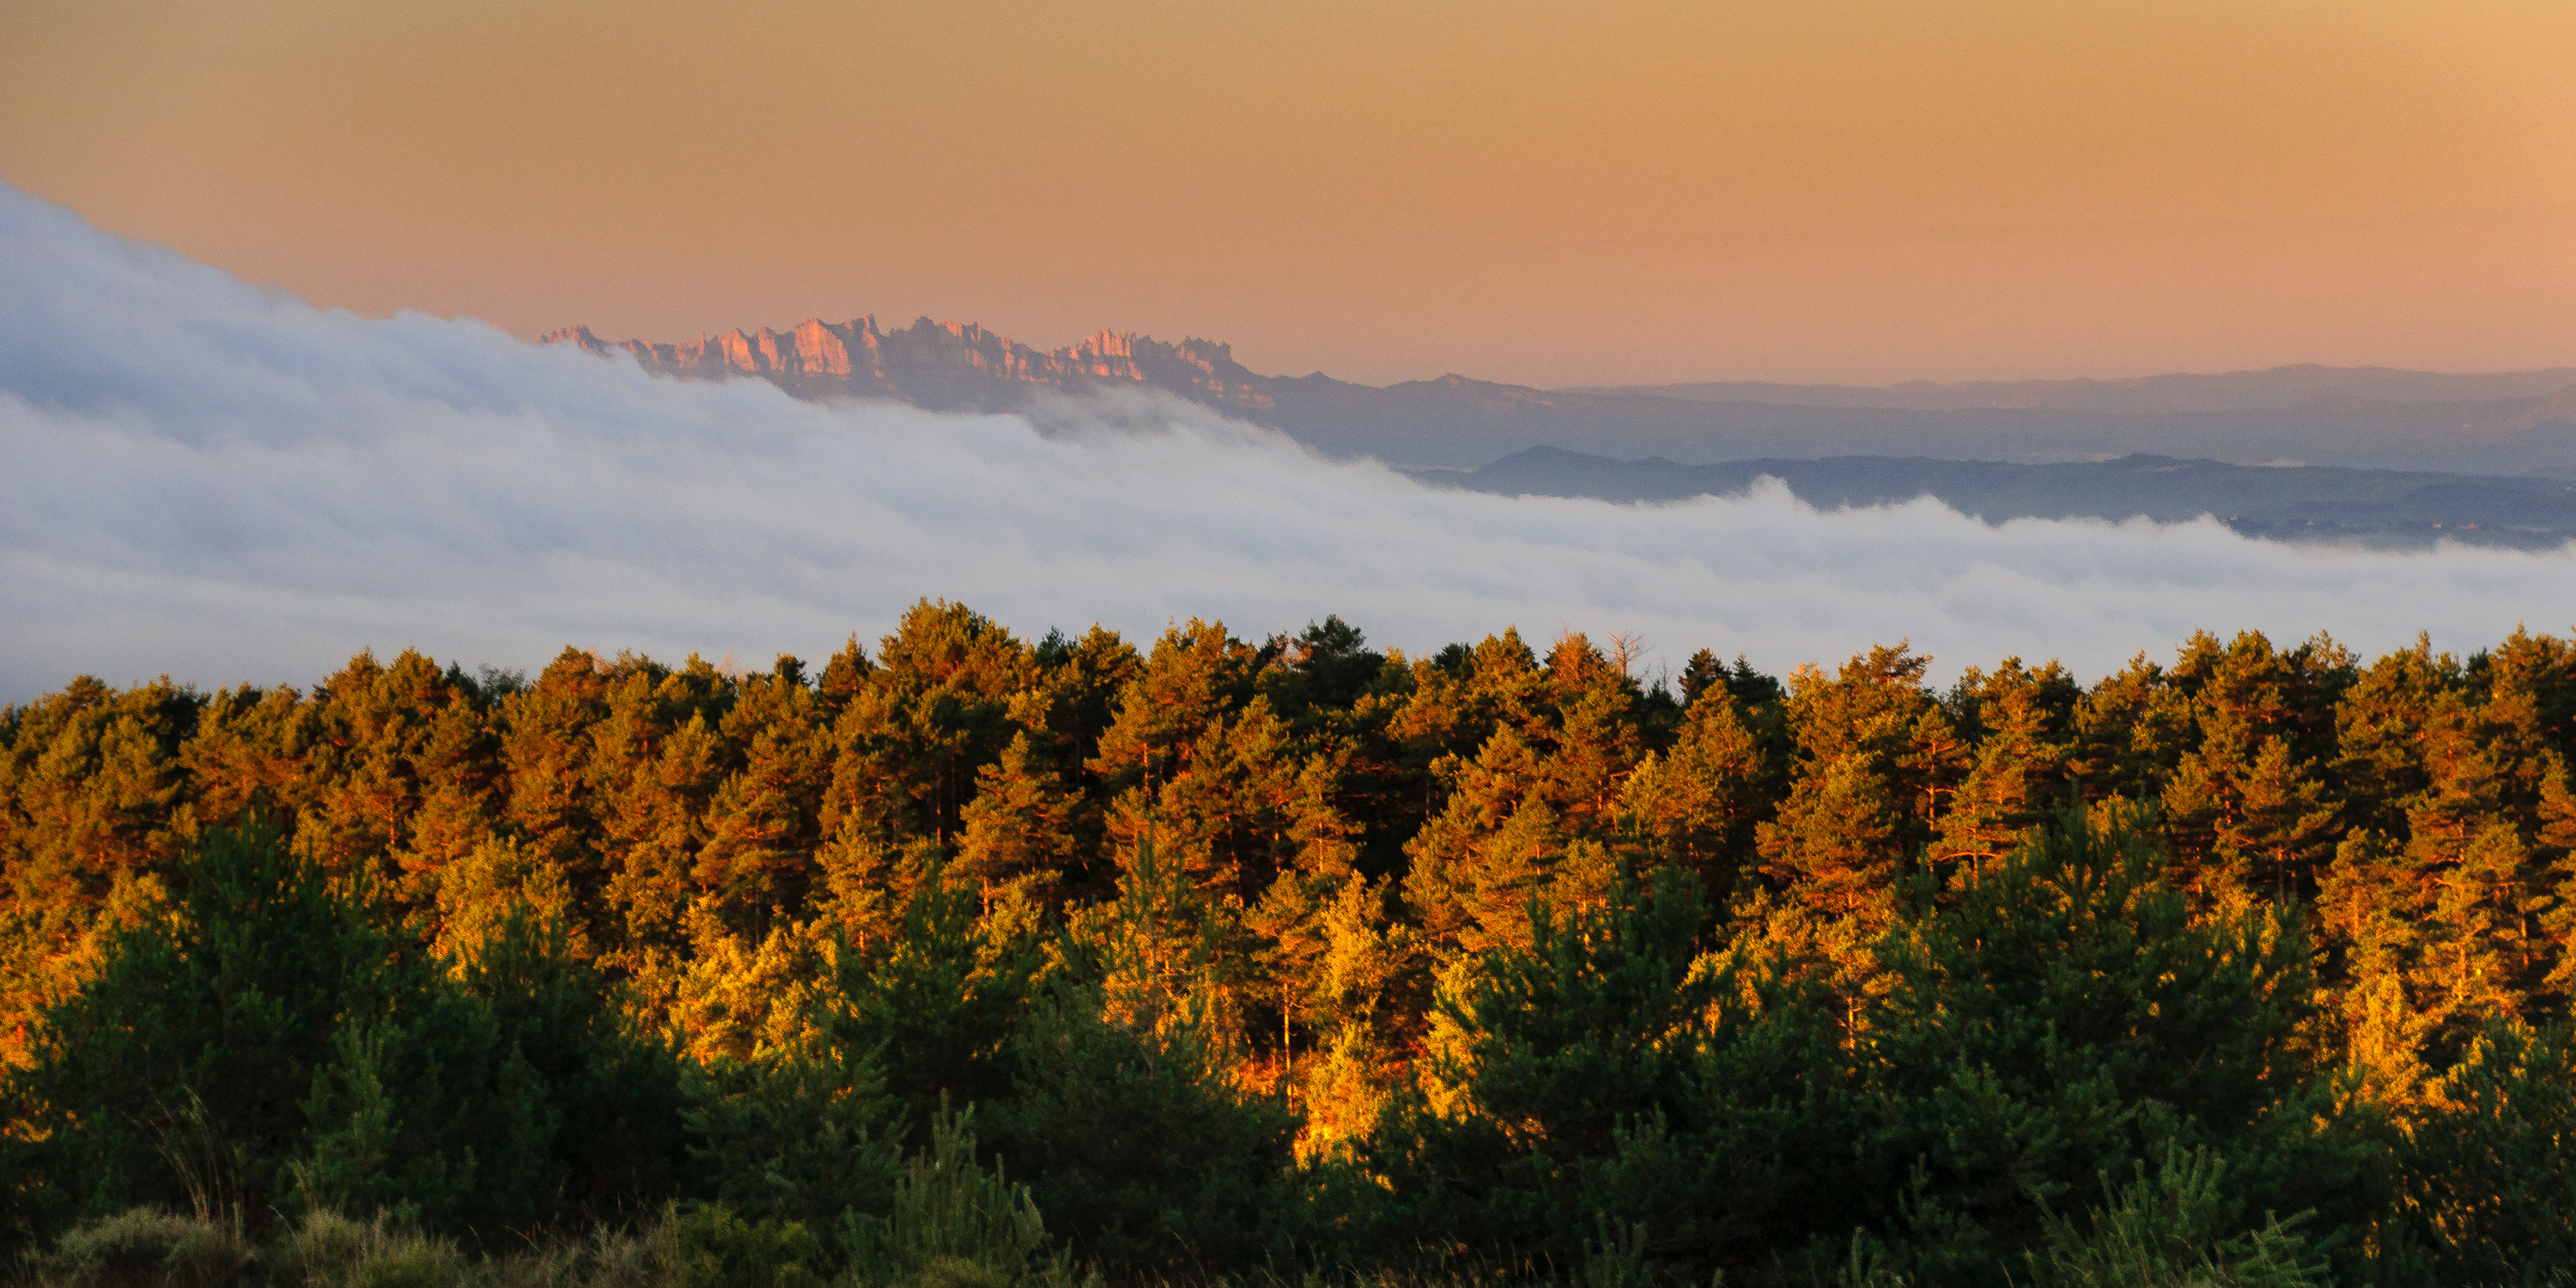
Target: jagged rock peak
943,364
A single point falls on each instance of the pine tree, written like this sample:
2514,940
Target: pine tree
909,740
1876,757
202,1033
95,812
2379,727
1495,844
2016,774
2534,678
246,756
2372,917
1017,832
1323,671
546,742
2468,862
2130,732
1696,805
2069,1015
1702,673
1596,710
844,675
2285,827
1195,674
1078,688
375,724
657,761
1462,697
1317,910
2554,854
95,782
763,823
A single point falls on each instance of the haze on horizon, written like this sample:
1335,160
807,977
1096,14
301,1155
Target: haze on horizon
1851,190
222,484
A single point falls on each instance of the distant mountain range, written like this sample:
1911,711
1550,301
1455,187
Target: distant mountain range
2388,508
2370,454
2370,417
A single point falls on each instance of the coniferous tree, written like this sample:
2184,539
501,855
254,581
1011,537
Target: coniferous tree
2486,1196
1497,842
184,1062
458,771
374,726
657,761
1697,804
547,745
2016,774
1608,1071
936,707
764,822
2130,731
1126,1120
2069,1016
1219,834
1876,758
1017,836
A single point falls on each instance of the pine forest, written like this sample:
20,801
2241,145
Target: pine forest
964,960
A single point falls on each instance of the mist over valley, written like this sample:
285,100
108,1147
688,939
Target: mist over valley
2372,455
220,483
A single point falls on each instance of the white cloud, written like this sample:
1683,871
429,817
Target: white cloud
222,484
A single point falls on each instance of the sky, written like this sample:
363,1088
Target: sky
1615,191
222,484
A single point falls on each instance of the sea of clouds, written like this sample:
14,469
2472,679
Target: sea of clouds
216,482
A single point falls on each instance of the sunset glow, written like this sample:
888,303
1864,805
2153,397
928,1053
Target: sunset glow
1543,193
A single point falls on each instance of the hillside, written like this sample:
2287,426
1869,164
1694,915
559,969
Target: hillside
2306,503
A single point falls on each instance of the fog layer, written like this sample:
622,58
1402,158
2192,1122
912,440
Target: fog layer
221,484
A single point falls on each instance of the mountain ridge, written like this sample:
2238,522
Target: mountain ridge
2366,417
2383,508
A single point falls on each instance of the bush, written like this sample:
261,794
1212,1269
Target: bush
146,1248
1608,1073
273,1046
953,1223
2067,1020
2485,1190
2176,1229
327,1250
711,1247
177,1076
941,1000
803,1134
1137,1146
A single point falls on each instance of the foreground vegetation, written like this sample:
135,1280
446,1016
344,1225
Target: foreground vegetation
979,962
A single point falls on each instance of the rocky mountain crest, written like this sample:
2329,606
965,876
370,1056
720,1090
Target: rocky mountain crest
2498,423
948,365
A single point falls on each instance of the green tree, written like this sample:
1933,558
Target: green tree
184,1063
1877,758
2485,1193
934,709
2064,1021
764,821
1608,1071
2017,721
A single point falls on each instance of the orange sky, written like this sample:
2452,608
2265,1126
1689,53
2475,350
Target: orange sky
1551,193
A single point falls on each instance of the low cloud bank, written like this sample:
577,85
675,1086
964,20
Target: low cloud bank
222,484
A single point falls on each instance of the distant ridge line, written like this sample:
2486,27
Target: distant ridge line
951,365
2375,417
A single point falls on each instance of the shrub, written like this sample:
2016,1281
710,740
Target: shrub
146,1248
953,1223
